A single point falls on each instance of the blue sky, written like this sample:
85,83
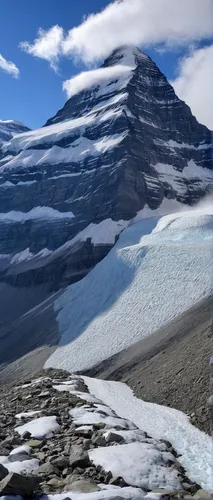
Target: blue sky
37,94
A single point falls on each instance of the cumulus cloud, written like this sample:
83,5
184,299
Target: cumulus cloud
46,46
194,83
9,67
139,22
88,79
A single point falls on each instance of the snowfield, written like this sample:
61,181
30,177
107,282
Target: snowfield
141,460
158,268
160,422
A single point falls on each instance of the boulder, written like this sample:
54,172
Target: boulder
26,435
87,433
15,484
112,437
78,457
117,481
3,472
99,441
46,470
61,462
19,457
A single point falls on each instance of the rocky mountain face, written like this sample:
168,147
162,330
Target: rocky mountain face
123,145
9,128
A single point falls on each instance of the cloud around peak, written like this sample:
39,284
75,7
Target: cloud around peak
194,83
9,67
139,22
96,77
124,22
47,45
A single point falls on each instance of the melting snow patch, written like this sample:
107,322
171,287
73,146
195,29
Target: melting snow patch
19,467
27,414
195,447
86,415
140,464
40,427
19,449
127,493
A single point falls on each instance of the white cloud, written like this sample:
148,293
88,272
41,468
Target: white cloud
139,22
88,79
46,46
9,67
195,83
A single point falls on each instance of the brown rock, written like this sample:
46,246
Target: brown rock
202,494
35,443
82,486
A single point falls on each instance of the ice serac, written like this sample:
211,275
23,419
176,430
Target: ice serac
122,144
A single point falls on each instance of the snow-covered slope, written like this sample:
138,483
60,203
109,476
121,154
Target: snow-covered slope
123,144
158,268
9,128
195,447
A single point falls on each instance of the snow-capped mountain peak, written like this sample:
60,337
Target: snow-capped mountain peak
123,146
9,128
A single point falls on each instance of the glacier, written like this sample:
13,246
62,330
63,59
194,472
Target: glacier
158,268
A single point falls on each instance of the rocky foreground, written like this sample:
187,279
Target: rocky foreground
57,438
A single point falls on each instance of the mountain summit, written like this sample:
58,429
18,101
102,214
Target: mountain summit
123,145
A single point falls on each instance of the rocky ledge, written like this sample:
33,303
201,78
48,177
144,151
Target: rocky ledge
58,441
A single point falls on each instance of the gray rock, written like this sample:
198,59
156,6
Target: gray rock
61,462
13,441
19,457
26,435
55,482
3,472
46,469
117,481
67,449
78,457
99,441
15,484
4,451
189,487
112,437
87,433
